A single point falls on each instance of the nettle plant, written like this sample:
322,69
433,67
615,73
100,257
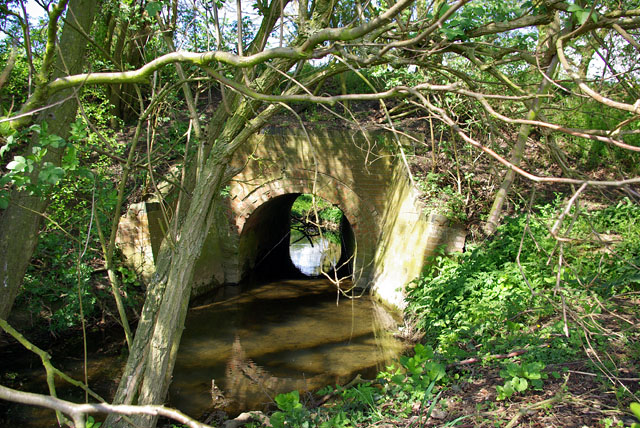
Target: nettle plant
519,378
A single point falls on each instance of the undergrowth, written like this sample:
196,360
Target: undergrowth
505,293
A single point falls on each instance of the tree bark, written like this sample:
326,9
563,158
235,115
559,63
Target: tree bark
147,374
11,62
20,222
517,153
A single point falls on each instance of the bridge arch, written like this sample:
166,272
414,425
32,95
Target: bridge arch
263,223
389,234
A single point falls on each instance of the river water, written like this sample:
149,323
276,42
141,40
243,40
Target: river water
275,338
315,255
251,342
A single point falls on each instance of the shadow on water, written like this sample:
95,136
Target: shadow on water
274,338
253,342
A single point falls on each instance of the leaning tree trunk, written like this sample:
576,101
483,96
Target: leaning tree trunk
147,374
517,153
150,364
20,222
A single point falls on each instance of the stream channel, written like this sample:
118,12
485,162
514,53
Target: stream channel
253,341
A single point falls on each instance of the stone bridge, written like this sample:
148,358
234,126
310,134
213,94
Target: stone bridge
386,235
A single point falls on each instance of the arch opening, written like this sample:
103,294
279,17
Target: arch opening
273,231
317,238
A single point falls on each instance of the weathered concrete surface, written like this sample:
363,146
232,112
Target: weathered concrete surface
387,231
335,166
134,240
408,238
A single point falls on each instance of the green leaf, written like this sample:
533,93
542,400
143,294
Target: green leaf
91,423
70,159
52,140
519,384
635,409
445,7
436,371
37,128
287,402
78,131
18,164
398,379
85,172
7,146
505,391
5,127
581,16
277,420
153,8
452,33
51,174
4,201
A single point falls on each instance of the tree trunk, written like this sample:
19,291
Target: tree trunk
148,371
493,220
20,222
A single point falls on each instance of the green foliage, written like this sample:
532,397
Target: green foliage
481,296
440,198
21,169
393,394
91,423
52,280
596,154
582,14
635,409
519,377
50,286
291,413
415,378
303,208
15,92
389,77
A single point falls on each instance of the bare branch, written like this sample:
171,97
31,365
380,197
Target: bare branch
78,411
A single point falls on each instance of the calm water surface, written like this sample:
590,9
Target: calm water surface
274,338
252,343
311,258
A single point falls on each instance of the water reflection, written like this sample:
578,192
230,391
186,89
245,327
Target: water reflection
314,255
275,338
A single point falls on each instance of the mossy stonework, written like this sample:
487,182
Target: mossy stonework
387,235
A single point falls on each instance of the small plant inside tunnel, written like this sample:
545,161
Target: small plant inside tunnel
316,238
